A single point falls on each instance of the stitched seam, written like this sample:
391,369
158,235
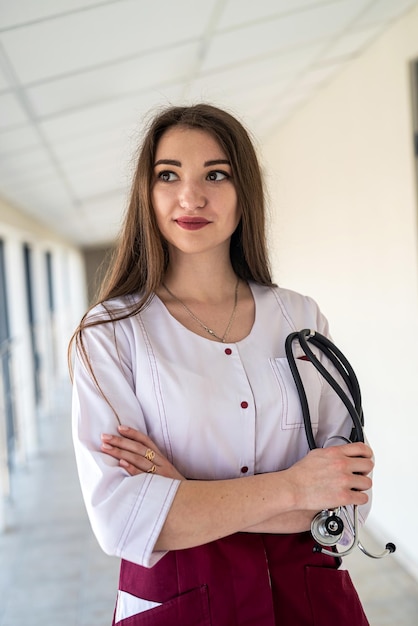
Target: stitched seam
278,377
132,516
157,388
283,309
154,535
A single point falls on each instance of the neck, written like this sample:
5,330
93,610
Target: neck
201,279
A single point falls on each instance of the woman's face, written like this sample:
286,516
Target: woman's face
193,192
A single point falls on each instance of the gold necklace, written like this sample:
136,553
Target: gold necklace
196,319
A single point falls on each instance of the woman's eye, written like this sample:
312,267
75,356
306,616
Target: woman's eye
217,175
166,176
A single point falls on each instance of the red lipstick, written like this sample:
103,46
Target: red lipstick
192,223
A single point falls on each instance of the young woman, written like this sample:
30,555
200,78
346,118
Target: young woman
188,432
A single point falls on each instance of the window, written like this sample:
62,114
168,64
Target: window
415,112
30,303
50,282
6,387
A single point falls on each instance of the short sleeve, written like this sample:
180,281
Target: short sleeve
126,512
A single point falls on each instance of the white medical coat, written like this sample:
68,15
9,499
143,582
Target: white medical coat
215,410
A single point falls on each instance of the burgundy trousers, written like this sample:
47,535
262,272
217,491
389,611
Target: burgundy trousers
245,580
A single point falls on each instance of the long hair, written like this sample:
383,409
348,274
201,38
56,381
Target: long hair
141,256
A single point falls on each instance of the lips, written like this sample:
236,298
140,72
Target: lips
192,223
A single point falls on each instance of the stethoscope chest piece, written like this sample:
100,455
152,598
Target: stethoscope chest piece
327,528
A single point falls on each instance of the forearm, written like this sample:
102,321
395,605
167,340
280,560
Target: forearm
204,511
284,523
277,502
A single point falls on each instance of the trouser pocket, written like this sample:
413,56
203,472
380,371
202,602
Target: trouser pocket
333,598
188,609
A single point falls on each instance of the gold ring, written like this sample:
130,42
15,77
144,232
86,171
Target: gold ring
152,470
149,454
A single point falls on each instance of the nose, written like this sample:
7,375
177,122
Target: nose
192,196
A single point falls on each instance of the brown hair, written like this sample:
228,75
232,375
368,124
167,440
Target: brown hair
141,257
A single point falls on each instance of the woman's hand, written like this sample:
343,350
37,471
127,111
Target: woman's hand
138,454
329,477
324,479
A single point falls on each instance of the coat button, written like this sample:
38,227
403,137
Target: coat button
244,469
244,405
228,351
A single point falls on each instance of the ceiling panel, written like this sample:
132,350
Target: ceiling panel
237,13
137,75
54,207
12,112
384,10
91,37
15,176
99,181
314,24
82,149
352,43
78,78
17,139
270,69
124,113
19,12
99,176
234,91
4,82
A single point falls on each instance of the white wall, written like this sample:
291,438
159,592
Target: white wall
343,189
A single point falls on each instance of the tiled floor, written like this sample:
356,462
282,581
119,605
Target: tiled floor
388,593
52,571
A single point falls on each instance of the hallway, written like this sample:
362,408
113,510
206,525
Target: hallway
53,572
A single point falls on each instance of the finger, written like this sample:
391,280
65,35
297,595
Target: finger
353,458
123,443
143,464
361,483
357,450
362,466
131,469
128,445
133,458
136,435
355,497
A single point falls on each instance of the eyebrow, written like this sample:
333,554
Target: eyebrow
178,163
167,162
217,162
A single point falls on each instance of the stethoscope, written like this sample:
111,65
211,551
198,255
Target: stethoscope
327,527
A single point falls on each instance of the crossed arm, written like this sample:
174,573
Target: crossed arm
276,502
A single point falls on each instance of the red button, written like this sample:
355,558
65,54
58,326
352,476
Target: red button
244,405
244,469
228,351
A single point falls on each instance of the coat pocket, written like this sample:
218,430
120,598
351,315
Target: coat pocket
288,397
333,598
188,609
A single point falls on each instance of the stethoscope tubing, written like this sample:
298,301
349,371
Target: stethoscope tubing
343,367
354,408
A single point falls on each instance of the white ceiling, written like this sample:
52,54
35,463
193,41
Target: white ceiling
77,78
